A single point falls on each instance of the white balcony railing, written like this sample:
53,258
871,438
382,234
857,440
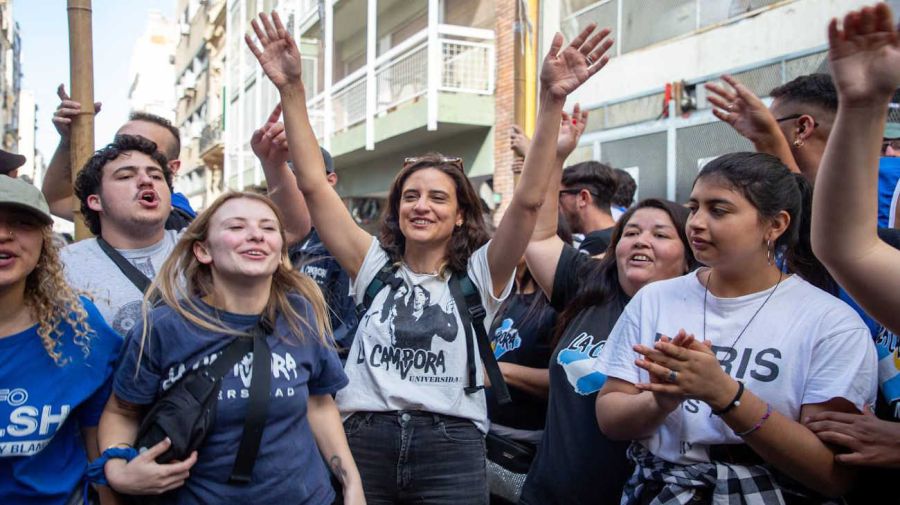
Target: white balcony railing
467,66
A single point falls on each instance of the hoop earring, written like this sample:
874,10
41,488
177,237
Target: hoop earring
770,253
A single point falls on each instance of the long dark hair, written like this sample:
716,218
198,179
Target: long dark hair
771,188
600,278
465,239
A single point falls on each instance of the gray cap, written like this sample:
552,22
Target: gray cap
892,131
20,194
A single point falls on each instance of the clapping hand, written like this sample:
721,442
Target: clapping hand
269,142
563,71
864,56
279,55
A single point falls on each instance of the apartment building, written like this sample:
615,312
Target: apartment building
199,88
385,79
10,76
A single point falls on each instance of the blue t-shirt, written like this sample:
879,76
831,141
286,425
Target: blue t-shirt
312,258
888,178
179,201
289,467
43,406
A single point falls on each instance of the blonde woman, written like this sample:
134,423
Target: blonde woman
58,357
235,268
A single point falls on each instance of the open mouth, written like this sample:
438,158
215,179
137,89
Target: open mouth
641,258
6,256
420,222
254,253
148,196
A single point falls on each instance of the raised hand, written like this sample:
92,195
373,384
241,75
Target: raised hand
743,110
564,70
571,127
279,55
65,112
518,141
864,56
269,142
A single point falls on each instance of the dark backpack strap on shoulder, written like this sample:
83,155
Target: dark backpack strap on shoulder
472,313
257,406
385,277
140,281
233,352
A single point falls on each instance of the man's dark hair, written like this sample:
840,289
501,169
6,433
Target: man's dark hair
90,178
625,189
812,89
175,152
598,179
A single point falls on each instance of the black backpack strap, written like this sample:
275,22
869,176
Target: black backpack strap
237,349
257,406
384,277
140,281
472,313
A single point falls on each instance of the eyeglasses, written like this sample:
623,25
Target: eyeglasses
453,161
893,143
796,116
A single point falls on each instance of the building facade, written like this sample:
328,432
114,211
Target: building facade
385,80
200,111
648,108
10,76
152,71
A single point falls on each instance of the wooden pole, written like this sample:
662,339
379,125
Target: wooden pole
81,76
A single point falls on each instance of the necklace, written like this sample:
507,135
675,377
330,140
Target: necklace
741,334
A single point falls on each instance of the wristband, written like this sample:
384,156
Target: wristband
94,472
758,425
735,402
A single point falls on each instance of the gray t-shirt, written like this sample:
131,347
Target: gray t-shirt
410,347
89,269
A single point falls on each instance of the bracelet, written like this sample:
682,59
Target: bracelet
758,425
735,402
95,473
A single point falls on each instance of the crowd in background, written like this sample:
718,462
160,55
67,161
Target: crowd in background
739,347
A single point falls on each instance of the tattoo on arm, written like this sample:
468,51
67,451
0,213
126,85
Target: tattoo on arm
337,468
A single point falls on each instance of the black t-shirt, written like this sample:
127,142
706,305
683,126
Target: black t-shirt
576,463
312,258
597,241
522,338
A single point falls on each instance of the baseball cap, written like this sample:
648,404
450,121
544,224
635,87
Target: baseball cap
10,161
892,131
18,193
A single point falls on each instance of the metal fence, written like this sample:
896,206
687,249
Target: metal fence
665,150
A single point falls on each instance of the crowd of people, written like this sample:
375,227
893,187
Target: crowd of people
739,347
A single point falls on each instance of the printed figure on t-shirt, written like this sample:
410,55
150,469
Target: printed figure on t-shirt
416,321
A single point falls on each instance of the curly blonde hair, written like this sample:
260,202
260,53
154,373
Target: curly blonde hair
54,304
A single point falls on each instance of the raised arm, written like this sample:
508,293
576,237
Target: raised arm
563,71
279,57
865,61
269,144
57,184
750,117
545,247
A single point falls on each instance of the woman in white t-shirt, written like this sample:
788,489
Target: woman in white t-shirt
717,411
415,412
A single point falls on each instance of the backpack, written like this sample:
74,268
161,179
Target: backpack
466,296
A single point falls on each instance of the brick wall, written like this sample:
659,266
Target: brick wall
504,101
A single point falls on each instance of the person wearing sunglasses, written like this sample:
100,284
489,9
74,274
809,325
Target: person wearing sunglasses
414,414
585,200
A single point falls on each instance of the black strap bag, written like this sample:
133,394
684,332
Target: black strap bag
187,411
140,281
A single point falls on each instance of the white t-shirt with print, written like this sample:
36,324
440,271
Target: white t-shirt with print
410,347
805,346
89,269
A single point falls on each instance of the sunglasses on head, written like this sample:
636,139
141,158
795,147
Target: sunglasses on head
452,161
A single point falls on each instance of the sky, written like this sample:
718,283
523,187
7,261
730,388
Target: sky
117,25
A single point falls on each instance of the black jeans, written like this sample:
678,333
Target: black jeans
417,457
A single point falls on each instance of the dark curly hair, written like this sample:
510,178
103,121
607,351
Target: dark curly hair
465,239
90,177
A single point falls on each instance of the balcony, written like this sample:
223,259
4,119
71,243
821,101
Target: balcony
402,76
211,135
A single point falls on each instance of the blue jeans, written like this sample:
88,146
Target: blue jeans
411,457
